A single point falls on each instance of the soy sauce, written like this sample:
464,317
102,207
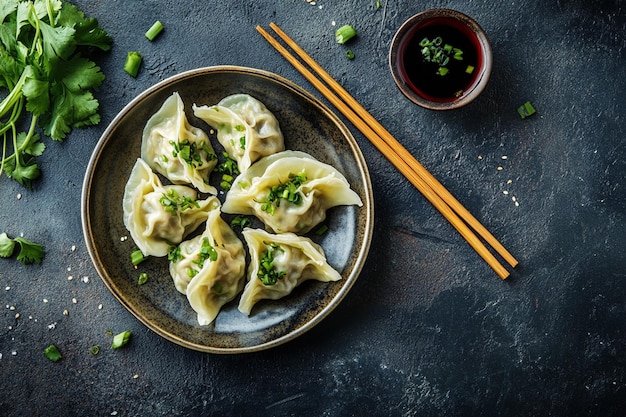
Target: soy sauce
423,75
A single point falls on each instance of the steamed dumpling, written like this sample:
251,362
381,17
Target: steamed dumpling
245,127
209,268
177,150
279,263
159,216
289,191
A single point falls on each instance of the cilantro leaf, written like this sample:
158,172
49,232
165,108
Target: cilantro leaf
7,245
88,32
29,251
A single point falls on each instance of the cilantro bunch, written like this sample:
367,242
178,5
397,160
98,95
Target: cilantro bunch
45,76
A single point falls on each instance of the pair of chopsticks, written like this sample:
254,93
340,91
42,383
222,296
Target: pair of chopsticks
426,183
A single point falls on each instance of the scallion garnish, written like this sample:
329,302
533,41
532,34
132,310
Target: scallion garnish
289,191
240,221
344,34
321,230
267,272
526,110
133,61
229,171
439,53
120,340
173,202
349,54
136,257
143,278
154,30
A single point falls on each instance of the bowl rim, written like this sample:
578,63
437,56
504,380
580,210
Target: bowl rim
485,68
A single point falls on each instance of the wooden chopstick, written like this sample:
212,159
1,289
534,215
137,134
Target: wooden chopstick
434,192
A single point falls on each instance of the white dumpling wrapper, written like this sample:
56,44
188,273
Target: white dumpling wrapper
299,257
218,281
170,125
243,116
325,187
153,228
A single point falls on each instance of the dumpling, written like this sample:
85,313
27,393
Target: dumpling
289,191
177,150
209,268
159,216
245,127
279,263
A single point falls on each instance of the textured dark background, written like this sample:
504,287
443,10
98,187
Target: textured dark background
428,329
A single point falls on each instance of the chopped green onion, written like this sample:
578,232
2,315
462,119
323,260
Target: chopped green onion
241,221
442,71
469,69
137,257
267,273
349,54
344,34
94,350
321,230
154,30
526,110
52,353
133,61
120,340
378,4
143,278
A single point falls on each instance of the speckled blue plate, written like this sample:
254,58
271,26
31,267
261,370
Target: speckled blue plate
307,125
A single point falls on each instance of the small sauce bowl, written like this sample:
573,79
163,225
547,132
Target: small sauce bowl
440,59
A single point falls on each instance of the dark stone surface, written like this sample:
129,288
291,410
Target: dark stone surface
428,329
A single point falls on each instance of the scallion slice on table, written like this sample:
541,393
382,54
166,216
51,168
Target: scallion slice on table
345,33
120,340
155,29
133,62
526,110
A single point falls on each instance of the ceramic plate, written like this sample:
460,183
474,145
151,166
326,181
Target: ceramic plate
307,125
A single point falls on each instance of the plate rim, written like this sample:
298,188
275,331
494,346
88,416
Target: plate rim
368,205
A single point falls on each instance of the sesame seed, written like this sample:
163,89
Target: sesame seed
505,192
513,198
52,325
12,308
7,288
99,306
505,157
480,157
73,248
70,277
517,204
66,313
17,315
45,300
74,300
499,168
19,196
85,279
509,182
14,353
135,376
